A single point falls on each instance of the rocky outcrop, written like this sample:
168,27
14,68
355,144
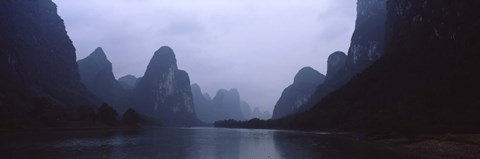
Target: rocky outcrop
96,74
335,64
298,93
37,59
128,82
164,91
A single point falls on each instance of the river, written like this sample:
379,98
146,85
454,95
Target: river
187,143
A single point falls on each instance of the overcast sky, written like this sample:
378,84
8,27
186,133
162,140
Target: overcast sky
256,46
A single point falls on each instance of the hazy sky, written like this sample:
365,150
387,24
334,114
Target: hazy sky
256,46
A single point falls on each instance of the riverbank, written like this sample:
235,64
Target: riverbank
445,146
455,146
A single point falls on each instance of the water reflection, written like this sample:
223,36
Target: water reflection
232,144
184,143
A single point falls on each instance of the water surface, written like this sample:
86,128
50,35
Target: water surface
188,143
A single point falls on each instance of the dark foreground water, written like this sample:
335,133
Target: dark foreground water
187,143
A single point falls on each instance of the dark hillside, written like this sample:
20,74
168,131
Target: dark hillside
426,82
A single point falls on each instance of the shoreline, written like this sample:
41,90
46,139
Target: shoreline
79,129
447,146
462,146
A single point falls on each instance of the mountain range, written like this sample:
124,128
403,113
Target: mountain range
411,69
226,104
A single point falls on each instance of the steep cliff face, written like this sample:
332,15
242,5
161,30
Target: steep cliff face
423,82
96,74
368,40
164,91
39,81
298,93
35,47
37,58
367,46
32,35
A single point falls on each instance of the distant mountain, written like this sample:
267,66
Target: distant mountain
257,113
226,104
246,110
128,82
164,91
250,113
40,81
295,95
96,73
207,96
203,106
424,81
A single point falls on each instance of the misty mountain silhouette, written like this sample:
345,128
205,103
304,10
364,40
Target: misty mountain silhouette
164,91
298,93
226,104
97,75
128,82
